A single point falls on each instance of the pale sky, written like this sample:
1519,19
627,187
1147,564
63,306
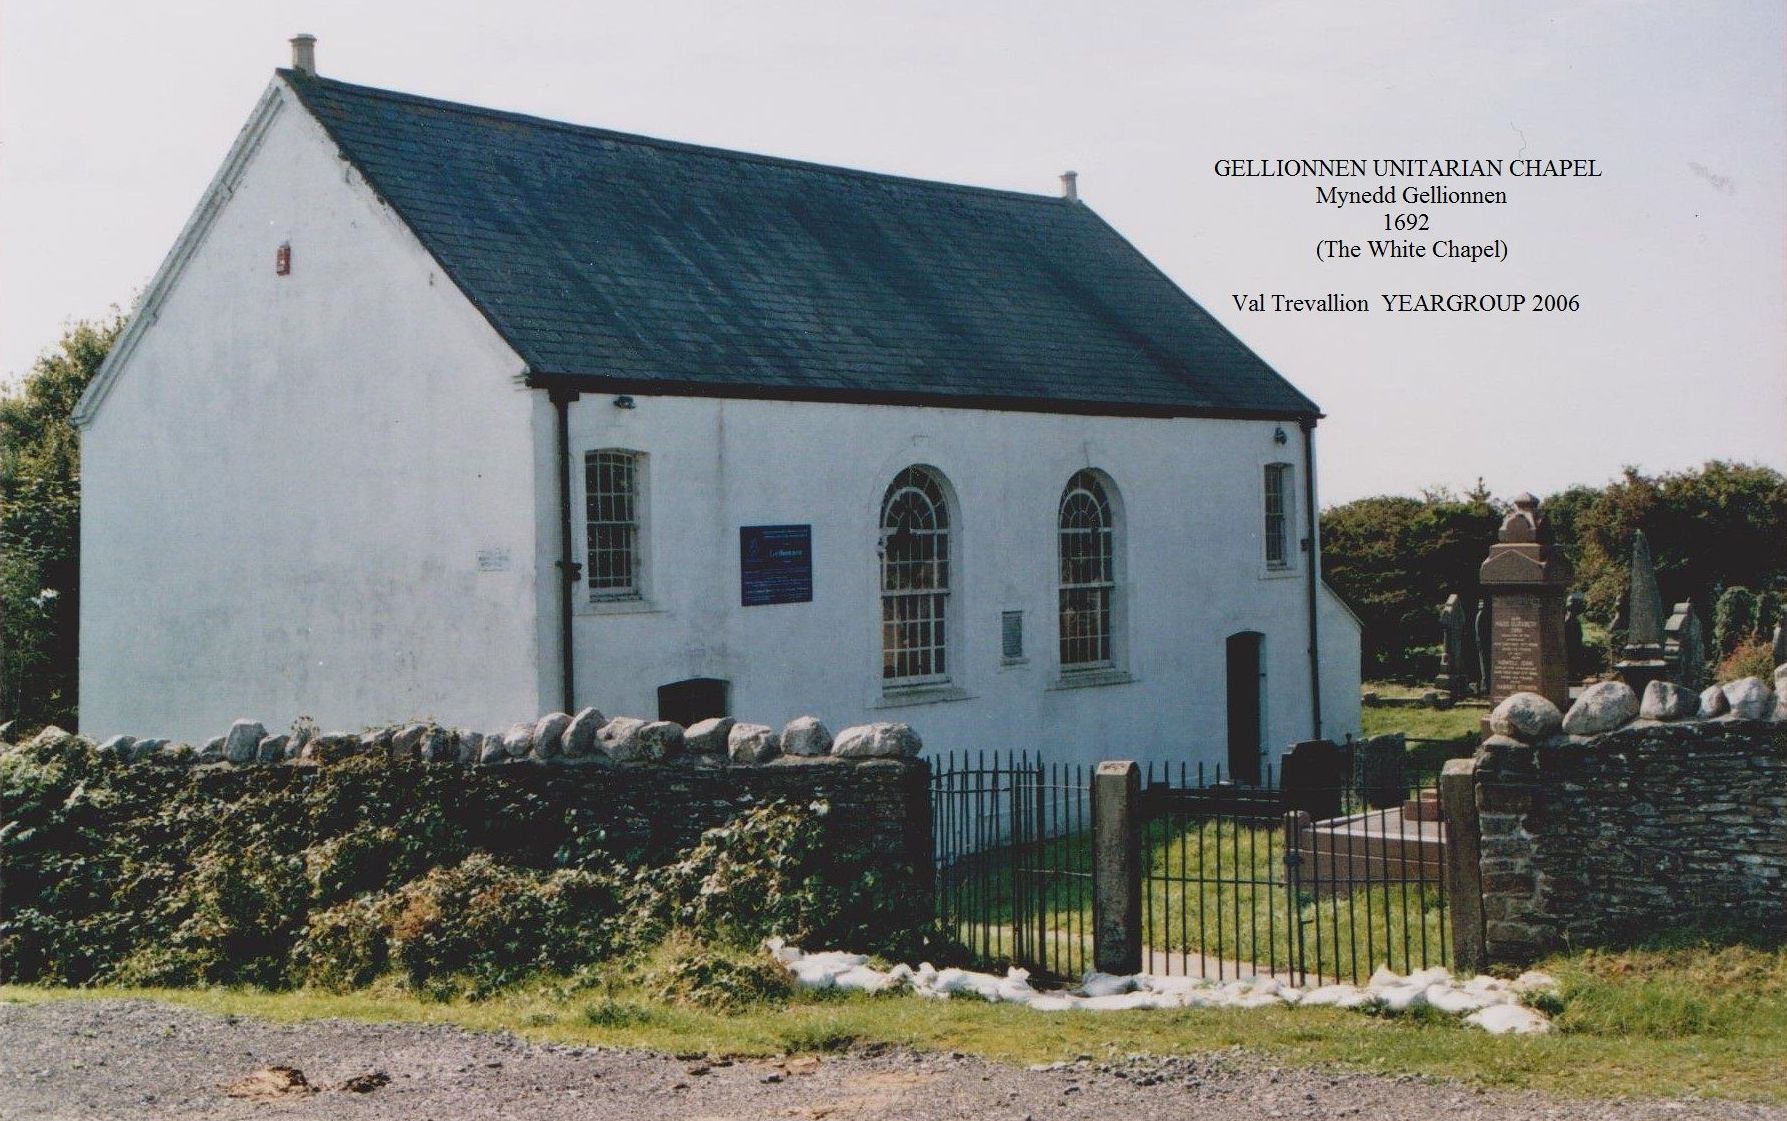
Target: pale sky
114,116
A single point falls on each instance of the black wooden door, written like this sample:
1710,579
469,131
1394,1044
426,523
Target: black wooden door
1245,676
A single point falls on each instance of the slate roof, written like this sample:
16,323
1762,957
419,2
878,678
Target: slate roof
626,264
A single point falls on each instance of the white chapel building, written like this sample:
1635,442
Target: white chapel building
441,412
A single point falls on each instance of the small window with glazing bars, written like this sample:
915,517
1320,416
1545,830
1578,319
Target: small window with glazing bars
611,508
1278,485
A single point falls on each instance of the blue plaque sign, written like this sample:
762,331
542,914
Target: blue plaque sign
775,564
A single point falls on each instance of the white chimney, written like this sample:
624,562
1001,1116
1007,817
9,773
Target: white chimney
304,54
1070,184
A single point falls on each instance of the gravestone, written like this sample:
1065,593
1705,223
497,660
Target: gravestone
1312,777
1452,679
1641,658
1482,630
1684,648
1526,577
1575,653
1780,645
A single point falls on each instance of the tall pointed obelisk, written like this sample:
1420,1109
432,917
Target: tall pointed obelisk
1641,659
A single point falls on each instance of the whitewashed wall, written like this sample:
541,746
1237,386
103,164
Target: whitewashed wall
288,482
1192,558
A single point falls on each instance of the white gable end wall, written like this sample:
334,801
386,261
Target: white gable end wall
311,493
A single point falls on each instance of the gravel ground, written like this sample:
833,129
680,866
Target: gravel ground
116,1059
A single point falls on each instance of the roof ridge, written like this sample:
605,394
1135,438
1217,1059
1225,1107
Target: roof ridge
300,81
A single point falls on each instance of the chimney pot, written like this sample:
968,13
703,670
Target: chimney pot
304,54
1070,185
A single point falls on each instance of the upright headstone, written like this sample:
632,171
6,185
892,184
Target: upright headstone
1452,678
1575,653
1526,577
1484,646
1684,648
1641,658
1780,644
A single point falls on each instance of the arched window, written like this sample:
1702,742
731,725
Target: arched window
914,580
1088,552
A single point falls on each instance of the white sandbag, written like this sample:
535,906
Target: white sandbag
1106,984
1454,1001
1509,1019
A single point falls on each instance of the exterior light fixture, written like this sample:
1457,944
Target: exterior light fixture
1278,436
625,402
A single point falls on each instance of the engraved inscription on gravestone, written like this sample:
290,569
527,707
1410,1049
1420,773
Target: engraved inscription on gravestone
1526,578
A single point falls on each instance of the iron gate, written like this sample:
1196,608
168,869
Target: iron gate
1310,883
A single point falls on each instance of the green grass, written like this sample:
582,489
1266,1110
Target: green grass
1659,1023
1213,888
1459,724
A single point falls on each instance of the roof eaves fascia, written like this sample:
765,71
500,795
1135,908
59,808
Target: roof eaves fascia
221,189
743,391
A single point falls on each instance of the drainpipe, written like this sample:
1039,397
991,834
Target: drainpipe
1313,541
569,570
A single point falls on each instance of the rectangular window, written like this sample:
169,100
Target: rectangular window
611,509
1278,505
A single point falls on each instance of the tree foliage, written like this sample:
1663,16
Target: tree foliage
40,516
1722,525
1396,559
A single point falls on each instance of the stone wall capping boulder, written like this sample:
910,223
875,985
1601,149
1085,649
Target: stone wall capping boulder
518,741
549,733
708,737
1750,699
1525,716
1602,707
584,740
877,741
662,740
49,735
1496,739
243,741
1665,700
579,739
752,743
805,735
1713,702
271,749
406,740
621,741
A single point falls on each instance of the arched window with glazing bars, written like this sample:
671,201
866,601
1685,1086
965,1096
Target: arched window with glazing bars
1087,546
915,580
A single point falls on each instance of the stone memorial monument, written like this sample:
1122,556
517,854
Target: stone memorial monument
1575,653
1454,679
1525,578
1641,659
1684,648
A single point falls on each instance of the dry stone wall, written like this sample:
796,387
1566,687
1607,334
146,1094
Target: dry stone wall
650,788
1602,825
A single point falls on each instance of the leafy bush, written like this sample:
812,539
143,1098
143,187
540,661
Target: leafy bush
1754,658
769,872
337,875
715,978
1735,619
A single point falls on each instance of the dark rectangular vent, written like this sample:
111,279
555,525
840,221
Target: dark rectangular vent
1011,635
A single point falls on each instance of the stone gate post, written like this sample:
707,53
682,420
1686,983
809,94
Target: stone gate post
1117,867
